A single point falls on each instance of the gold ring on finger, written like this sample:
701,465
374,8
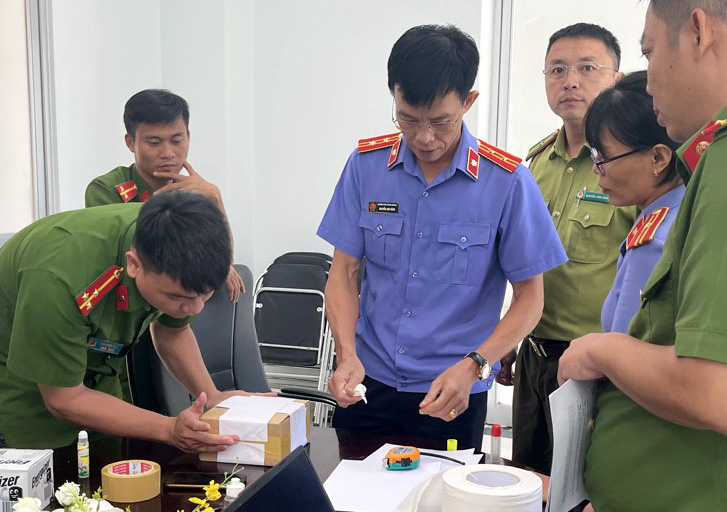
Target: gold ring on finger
452,414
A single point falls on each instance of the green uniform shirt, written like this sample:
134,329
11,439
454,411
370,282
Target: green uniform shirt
44,337
638,461
102,190
591,232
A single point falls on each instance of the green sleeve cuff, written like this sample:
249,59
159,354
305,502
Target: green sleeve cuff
701,343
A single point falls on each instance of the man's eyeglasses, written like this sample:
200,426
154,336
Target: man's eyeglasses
587,71
412,127
599,160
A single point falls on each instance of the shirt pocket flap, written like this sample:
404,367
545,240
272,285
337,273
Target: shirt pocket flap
382,223
658,276
587,217
464,234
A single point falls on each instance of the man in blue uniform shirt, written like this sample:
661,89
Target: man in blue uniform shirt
444,221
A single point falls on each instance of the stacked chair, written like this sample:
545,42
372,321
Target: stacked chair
296,344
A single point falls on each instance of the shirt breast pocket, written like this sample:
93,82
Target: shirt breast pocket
462,252
382,238
588,234
659,284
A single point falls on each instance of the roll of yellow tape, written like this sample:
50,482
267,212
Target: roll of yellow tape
129,481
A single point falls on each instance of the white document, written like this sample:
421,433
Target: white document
248,416
572,408
360,486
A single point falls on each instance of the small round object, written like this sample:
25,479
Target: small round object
452,414
463,239
587,218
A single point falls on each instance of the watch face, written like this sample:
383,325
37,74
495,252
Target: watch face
485,371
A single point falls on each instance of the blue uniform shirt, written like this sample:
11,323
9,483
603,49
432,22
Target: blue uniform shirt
635,267
437,256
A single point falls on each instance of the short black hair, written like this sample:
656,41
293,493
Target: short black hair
590,31
675,13
627,111
154,106
430,61
186,237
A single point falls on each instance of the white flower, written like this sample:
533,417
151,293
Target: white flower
67,493
99,506
27,505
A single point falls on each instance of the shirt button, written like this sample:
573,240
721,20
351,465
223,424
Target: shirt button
587,218
420,234
556,214
570,170
379,227
463,239
425,194
403,385
407,313
415,274
402,350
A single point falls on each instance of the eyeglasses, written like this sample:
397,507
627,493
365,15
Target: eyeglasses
414,126
587,70
598,159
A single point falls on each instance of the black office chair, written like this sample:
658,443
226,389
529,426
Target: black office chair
228,342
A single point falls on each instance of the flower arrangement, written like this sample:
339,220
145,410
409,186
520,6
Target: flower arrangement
212,493
69,495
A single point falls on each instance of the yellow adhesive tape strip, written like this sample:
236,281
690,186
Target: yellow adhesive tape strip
129,481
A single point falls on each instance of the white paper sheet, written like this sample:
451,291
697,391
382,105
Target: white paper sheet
298,416
572,407
244,453
358,486
248,416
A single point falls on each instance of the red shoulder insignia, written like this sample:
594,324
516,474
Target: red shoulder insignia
101,287
127,191
473,163
394,156
693,154
542,145
384,141
145,197
645,230
503,159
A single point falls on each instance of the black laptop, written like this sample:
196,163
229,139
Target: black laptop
292,485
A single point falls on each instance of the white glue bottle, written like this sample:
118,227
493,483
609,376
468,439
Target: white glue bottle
234,488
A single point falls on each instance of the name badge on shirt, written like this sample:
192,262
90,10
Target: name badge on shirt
376,207
596,197
105,346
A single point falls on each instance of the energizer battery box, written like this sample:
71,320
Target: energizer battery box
25,473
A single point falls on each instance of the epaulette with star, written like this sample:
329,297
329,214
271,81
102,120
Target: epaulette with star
502,158
645,230
696,149
542,145
393,141
127,191
100,288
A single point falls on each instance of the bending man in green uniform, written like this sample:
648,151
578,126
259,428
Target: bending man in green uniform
157,132
581,61
660,437
77,289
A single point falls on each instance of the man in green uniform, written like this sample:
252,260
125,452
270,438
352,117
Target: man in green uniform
76,291
660,437
581,61
157,132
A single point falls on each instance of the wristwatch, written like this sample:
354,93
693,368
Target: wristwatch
485,368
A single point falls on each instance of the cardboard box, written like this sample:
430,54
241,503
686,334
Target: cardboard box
25,473
269,428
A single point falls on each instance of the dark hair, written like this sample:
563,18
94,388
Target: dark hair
430,61
154,106
627,111
590,31
186,237
675,13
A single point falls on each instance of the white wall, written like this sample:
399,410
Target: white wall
530,118
103,53
279,92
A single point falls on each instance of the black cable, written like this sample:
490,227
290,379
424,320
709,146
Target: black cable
442,457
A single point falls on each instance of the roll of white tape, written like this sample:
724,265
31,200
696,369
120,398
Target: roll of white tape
490,488
129,481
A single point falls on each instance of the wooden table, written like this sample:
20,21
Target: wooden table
327,447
